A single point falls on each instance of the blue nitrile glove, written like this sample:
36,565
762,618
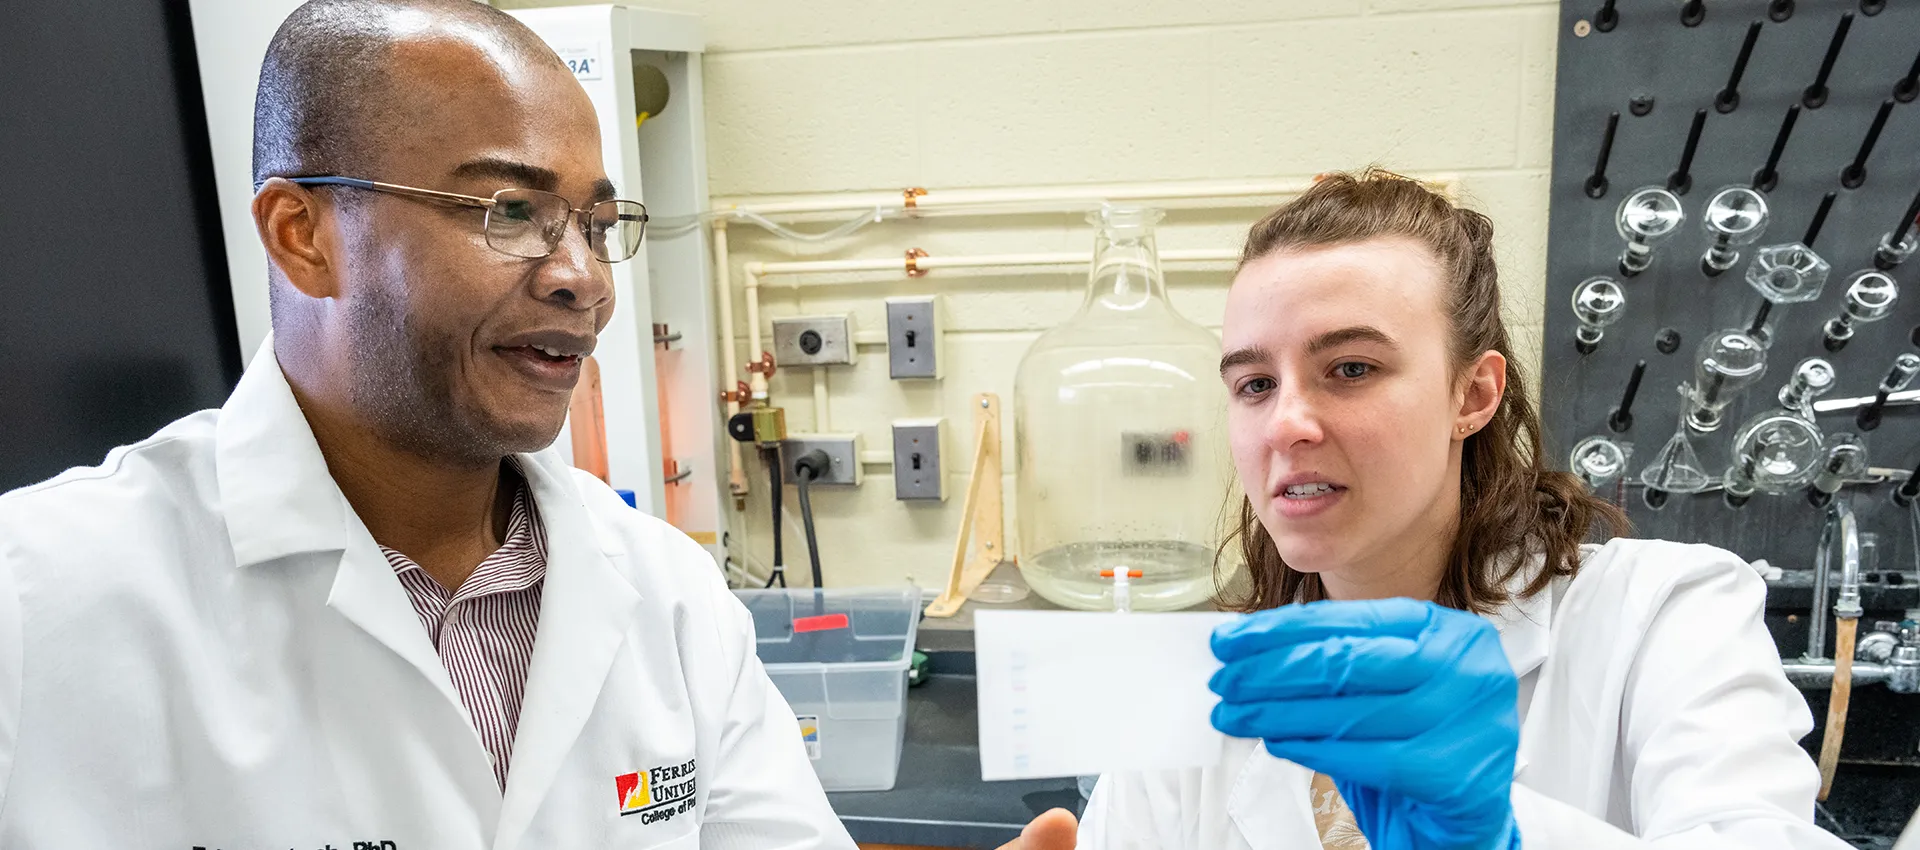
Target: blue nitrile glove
1409,706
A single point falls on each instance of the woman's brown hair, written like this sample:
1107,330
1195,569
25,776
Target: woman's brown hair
1510,504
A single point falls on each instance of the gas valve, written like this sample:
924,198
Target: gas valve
763,426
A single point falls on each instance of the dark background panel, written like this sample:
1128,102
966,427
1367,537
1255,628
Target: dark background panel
1651,53
115,311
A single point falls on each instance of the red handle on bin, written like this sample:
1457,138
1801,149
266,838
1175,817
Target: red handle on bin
822,623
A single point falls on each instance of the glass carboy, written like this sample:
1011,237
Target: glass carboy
1121,448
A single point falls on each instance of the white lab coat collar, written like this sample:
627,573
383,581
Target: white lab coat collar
280,500
1526,632
1525,625
275,490
585,610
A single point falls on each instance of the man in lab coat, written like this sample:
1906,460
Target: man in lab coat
308,619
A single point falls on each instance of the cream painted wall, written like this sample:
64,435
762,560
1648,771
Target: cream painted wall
844,95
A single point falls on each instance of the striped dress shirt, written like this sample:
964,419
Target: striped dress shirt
484,631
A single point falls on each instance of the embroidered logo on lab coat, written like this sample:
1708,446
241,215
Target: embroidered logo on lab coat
657,794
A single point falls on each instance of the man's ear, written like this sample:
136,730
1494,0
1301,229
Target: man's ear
1483,386
288,218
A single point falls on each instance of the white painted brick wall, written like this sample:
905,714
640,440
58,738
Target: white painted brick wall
852,95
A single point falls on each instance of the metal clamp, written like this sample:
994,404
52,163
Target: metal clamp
674,473
911,197
740,393
763,366
914,255
663,335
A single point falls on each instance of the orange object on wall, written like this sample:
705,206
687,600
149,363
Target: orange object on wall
666,363
589,422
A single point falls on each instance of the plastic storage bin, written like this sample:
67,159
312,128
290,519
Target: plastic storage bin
840,657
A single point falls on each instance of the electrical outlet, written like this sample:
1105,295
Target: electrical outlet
842,449
917,470
813,340
914,337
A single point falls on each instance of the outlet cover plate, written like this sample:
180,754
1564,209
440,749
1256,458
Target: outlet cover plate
842,449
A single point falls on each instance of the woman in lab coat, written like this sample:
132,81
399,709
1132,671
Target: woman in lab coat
1435,659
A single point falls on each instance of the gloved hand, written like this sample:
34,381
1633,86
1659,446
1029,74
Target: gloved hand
1409,706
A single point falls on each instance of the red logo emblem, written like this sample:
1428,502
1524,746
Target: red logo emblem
633,791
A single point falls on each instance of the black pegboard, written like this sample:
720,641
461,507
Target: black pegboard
1650,54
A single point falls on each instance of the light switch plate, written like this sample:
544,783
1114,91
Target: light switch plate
914,338
813,340
918,473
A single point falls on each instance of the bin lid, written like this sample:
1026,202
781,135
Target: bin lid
834,625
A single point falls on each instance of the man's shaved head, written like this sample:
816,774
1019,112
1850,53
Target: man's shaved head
329,102
395,315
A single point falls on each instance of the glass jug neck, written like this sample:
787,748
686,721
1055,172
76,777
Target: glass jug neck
1126,262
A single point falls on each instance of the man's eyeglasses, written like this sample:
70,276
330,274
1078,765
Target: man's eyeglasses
528,222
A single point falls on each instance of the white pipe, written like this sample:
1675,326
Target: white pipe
757,270
1222,191
757,381
822,423
742,577
1229,190
723,283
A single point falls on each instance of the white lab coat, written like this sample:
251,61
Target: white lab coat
1654,713
202,646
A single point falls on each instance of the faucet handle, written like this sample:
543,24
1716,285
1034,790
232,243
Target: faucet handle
1909,633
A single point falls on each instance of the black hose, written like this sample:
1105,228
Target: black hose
802,480
776,496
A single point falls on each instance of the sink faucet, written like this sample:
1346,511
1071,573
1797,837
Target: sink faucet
1839,521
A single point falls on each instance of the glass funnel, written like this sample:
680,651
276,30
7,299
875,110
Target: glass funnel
1120,437
1676,468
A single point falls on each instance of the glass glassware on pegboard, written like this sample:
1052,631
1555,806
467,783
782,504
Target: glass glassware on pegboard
1906,366
1870,297
1811,379
1599,461
1676,468
1789,273
1735,217
1899,243
1646,218
1597,303
1120,437
1775,452
1844,460
1728,361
